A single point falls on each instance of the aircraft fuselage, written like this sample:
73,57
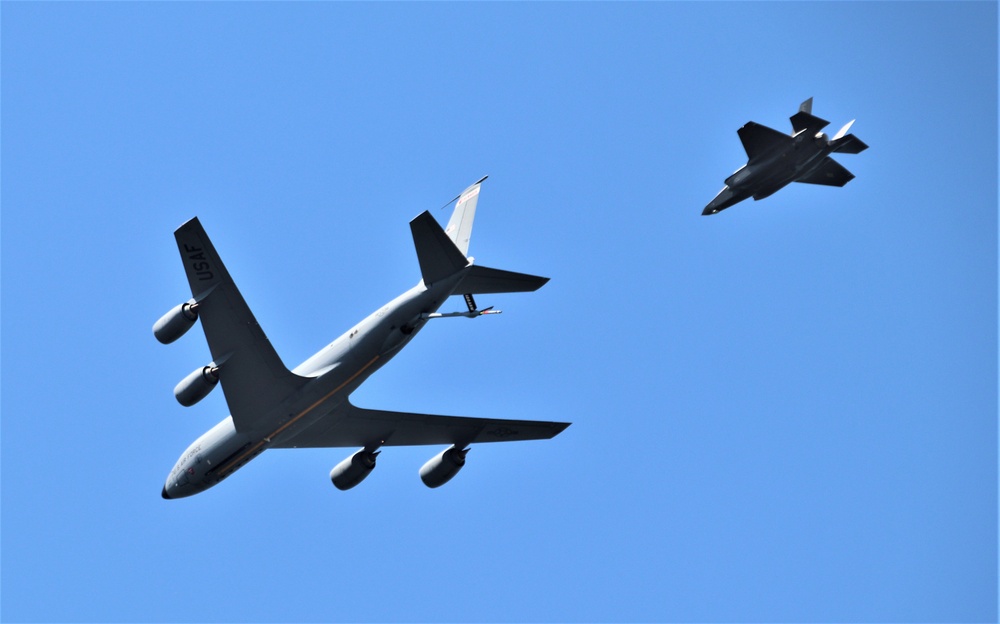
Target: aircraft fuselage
337,371
764,176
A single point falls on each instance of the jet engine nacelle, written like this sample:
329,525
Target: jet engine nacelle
442,467
176,322
197,385
353,470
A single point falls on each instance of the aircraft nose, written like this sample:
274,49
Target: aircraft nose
165,494
723,200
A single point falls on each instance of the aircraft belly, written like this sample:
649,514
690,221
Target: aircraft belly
321,398
770,189
327,411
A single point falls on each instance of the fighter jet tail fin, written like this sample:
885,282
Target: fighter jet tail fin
805,120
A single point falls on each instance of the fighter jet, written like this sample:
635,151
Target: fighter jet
775,159
309,406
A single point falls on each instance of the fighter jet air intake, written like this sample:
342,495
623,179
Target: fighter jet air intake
309,406
776,159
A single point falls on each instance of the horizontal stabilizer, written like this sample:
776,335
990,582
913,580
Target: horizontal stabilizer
480,280
438,256
849,144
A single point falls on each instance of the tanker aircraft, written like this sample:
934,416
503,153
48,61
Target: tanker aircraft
777,159
309,406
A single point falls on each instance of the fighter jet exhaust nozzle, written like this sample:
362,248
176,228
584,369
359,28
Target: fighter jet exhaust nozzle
353,470
442,467
176,322
197,385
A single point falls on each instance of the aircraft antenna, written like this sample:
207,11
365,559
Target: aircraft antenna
479,181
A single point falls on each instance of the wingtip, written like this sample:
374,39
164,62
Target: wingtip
193,222
559,427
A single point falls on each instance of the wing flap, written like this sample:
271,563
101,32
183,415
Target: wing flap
350,426
253,377
759,141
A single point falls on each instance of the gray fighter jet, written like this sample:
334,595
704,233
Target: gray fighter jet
309,407
776,159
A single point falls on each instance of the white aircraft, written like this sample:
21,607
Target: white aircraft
309,406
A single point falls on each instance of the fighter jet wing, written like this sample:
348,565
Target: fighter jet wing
760,140
252,375
349,426
829,173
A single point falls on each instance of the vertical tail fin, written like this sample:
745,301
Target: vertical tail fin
843,131
847,143
442,253
805,120
459,228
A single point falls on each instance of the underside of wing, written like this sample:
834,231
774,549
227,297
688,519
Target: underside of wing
351,426
759,141
253,377
828,173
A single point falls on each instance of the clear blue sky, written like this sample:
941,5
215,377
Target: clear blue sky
785,412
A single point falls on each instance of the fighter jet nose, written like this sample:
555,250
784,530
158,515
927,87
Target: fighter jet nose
164,494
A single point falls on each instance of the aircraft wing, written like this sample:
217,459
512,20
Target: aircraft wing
349,426
252,375
829,173
760,140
